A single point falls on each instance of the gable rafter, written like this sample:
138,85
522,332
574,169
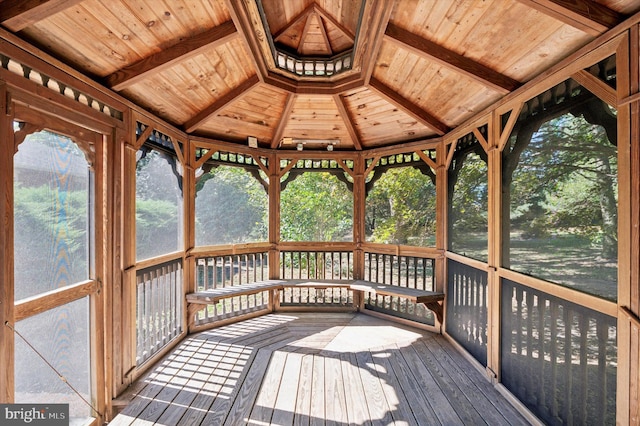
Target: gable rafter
295,21
314,8
374,22
585,15
284,119
347,118
307,29
16,15
428,49
235,93
408,107
170,56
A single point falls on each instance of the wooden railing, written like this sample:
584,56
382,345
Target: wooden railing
410,271
305,264
225,270
558,358
467,308
316,265
159,301
220,270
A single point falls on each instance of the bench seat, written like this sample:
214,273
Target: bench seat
215,295
432,300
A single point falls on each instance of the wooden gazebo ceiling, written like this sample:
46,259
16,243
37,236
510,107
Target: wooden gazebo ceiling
420,67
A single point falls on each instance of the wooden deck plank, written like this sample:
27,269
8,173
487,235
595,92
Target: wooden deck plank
400,408
377,404
236,408
357,410
442,407
450,388
210,390
336,410
420,405
304,391
262,410
451,373
285,405
203,371
318,393
475,379
316,369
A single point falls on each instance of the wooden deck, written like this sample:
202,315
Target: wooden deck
315,369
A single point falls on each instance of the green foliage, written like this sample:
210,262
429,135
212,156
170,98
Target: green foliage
316,207
563,180
401,208
158,206
231,208
50,239
468,217
468,212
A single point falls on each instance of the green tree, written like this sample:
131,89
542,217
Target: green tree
231,208
401,208
316,206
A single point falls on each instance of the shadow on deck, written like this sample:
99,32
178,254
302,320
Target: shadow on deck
315,368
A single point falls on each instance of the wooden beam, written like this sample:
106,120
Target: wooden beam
284,119
348,121
168,57
506,131
248,24
475,70
451,149
302,15
424,157
17,15
585,15
596,86
305,33
481,139
344,30
410,108
374,22
235,93
7,294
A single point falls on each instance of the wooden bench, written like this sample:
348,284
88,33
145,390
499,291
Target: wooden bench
432,300
197,301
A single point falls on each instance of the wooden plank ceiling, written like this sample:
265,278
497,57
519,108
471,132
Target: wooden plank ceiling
419,67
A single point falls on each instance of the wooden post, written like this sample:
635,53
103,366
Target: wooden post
634,305
440,272
494,206
7,151
274,216
359,211
97,300
127,309
628,394
189,223
112,283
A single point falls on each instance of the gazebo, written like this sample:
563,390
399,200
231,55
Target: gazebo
175,173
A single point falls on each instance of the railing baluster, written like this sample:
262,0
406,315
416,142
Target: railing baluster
568,377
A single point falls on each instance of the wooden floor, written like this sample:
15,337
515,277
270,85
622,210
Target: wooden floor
316,369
